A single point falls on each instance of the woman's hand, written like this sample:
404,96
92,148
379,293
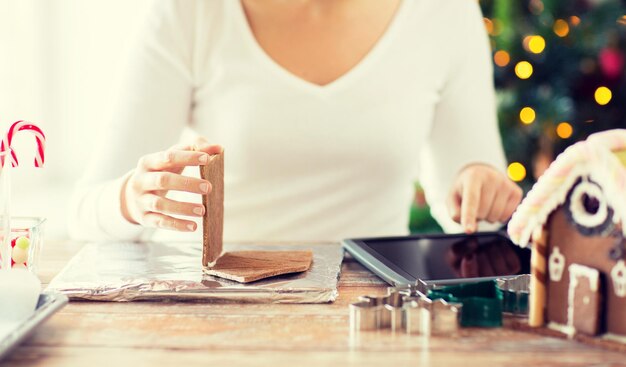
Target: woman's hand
480,192
143,198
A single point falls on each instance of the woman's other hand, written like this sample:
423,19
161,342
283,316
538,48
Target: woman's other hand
143,198
480,192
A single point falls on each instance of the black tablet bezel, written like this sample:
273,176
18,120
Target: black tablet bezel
396,276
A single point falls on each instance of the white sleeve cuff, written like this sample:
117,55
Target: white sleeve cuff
109,213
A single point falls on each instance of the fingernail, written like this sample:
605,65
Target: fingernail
198,210
204,187
190,227
204,158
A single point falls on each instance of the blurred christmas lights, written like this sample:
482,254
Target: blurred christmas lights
516,171
561,28
564,130
501,58
527,115
536,44
523,70
603,95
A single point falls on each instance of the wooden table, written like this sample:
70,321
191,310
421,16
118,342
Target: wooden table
186,334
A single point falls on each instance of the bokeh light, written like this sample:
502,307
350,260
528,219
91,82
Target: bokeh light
523,70
488,25
603,95
516,171
501,58
536,44
536,6
574,20
564,130
561,28
527,115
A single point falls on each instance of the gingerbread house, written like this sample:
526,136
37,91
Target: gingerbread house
575,220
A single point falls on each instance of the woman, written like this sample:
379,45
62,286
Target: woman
328,110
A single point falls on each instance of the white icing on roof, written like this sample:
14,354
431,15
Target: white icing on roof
593,158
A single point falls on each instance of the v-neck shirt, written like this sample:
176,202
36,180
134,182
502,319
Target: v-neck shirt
302,161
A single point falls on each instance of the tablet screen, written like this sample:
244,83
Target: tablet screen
453,257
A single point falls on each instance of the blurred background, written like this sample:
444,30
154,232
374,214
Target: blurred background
559,74
558,69
60,62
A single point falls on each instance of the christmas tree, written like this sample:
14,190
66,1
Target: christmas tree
559,75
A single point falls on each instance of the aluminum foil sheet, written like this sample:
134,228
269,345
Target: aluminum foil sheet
173,271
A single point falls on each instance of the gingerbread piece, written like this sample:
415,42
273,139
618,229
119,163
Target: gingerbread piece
213,221
248,266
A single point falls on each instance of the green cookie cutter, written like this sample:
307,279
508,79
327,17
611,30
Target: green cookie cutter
482,302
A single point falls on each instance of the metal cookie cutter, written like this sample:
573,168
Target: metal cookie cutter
515,291
444,317
371,313
405,308
417,316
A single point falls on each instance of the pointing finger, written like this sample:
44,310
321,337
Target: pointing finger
469,205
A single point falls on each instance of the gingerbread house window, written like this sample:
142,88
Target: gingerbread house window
588,209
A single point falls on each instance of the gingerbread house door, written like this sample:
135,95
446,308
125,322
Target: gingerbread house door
585,300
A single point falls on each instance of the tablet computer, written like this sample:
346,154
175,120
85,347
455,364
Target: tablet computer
441,258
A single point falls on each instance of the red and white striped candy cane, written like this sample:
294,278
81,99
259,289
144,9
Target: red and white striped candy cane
7,141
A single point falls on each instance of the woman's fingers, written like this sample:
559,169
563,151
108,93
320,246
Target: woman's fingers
497,208
158,181
171,159
160,204
488,196
203,146
482,193
142,199
470,202
180,156
515,197
503,204
158,220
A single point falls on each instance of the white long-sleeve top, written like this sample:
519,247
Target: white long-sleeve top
302,161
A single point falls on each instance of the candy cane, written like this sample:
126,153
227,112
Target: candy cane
7,141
